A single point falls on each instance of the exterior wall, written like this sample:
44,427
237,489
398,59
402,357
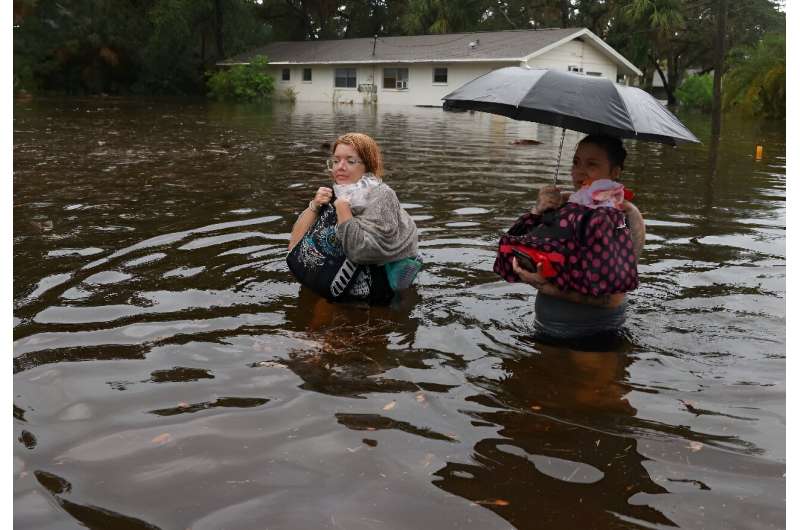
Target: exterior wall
576,53
421,88
320,88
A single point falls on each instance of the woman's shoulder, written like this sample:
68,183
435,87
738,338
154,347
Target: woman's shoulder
383,193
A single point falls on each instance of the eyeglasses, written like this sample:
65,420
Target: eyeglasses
331,163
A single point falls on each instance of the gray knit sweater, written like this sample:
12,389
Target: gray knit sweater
379,232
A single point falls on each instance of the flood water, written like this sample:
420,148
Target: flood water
169,373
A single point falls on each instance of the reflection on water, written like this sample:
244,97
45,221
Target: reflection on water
168,373
562,442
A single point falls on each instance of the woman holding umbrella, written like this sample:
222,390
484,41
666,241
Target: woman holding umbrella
560,311
590,296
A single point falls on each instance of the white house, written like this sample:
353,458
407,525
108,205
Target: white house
419,70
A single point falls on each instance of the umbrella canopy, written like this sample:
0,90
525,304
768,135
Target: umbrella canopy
593,105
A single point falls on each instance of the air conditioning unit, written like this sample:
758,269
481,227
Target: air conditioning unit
401,85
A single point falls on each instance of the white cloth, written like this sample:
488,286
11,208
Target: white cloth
356,193
601,192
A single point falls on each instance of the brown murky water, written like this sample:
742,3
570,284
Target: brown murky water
169,374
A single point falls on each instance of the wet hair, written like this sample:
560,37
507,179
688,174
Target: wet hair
611,145
366,148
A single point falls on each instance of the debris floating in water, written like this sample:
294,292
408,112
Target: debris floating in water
493,502
162,439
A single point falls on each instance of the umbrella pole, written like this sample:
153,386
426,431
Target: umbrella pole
560,148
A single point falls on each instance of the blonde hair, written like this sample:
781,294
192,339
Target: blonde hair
366,148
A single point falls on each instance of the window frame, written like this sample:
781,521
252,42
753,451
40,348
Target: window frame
446,75
310,75
397,79
336,77
286,75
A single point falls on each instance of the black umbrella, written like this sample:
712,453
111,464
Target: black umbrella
593,105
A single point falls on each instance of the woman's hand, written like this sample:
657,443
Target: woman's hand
549,199
309,216
536,279
343,210
323,196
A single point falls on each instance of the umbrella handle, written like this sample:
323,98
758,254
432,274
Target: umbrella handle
560,148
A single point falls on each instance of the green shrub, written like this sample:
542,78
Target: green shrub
242,82
696,91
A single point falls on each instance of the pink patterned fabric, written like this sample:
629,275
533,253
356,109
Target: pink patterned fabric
602,192
596,243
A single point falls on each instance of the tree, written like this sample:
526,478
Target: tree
721,19
85,47
441,16
661,20
116,46
164,46
188,36
367,18
756,79
527,14
597,16
310,19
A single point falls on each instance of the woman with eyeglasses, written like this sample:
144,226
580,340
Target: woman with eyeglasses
354,241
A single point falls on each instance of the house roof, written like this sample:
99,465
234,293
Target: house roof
487,46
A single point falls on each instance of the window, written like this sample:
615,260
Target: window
307,75
345,78
286,74
573,68
395,78
440,75
595,74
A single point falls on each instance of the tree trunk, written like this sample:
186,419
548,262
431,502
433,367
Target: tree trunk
664,81
719,60
565,8
218,29
675,71
647,79
503,11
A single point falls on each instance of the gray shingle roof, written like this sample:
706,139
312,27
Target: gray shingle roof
486,46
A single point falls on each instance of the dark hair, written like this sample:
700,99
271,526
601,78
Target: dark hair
611,145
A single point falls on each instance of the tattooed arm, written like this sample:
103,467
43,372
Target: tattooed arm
308,217
636,224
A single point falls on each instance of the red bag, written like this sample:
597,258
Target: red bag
545,259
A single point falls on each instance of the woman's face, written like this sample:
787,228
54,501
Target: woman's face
348,167
591,163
